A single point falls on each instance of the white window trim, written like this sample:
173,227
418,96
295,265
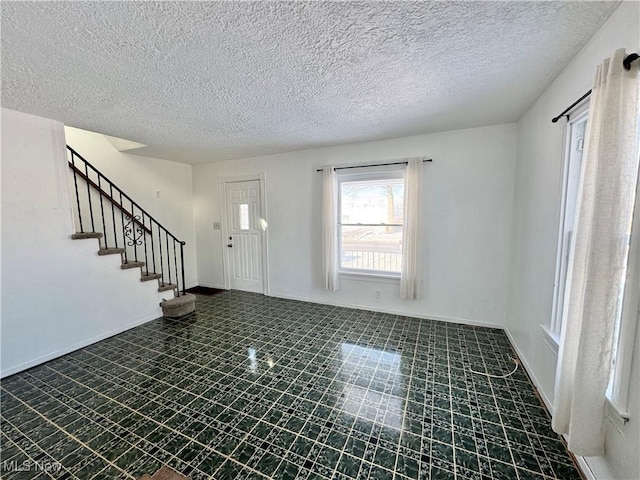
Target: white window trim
373,173
552,339
618,392
552,330
369,273
365,276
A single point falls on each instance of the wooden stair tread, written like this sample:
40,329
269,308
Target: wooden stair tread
110,251
83,235
150,276
127,265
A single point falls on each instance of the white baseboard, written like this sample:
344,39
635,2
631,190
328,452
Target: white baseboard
585,468
210,285
371,308
72,348
527,367
581,462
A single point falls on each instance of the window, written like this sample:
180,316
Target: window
370,222
627,313
244,216
627,318
571,181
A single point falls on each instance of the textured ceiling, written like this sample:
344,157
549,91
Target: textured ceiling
205,81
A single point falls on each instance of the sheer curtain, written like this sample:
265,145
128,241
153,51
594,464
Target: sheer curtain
330,228
410,274
610,173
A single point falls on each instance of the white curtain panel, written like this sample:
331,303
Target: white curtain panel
610,173
410,274
330,228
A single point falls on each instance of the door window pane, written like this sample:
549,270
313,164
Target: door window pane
244,216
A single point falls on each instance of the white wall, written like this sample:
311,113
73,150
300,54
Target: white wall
57,294
140,177
536,222
467,212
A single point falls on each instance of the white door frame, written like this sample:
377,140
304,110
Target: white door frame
260,177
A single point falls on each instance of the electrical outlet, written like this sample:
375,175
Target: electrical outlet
377,293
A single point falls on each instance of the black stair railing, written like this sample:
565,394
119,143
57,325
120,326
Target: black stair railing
128,226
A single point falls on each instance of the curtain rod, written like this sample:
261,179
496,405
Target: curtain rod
626,63
374,165
570,107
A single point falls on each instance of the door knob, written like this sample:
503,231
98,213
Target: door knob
229,245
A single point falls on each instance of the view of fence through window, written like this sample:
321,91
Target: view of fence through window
371,224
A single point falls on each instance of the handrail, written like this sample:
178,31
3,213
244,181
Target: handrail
139,236
120,191
109,197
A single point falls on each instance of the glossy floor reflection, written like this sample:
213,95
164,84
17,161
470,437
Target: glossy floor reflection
257,387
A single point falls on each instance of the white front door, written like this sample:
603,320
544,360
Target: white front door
244,235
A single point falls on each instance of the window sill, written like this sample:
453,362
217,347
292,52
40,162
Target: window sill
369,277
616,413
552,339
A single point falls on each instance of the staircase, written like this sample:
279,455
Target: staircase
129,231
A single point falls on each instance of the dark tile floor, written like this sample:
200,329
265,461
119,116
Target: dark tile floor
257,387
